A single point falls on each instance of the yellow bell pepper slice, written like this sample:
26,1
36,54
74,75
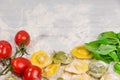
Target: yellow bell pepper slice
50,70
81,52
41,59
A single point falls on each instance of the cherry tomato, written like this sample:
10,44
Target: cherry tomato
5,49
20,64
32,73
21,36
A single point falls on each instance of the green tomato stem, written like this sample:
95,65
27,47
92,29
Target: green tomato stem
20,51
6,69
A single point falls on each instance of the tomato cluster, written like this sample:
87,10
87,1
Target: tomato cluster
22,66
18,64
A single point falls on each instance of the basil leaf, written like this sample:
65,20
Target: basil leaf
118,35
105,49
94,45
114,56
117,68
105,35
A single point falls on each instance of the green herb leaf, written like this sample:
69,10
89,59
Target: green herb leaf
105,49
114,56
118,35
117,68
108,34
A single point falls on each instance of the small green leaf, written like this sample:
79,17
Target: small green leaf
112,41
114,56
105,49
108,34
92,46
117,68
118,52
118,35
104,58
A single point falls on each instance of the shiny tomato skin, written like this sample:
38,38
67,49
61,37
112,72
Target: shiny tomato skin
5,49
21,36
20,64
32,73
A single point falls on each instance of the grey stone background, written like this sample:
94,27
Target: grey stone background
58,24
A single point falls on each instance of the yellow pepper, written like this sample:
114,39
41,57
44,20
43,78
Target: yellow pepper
41,59
50,70
81,52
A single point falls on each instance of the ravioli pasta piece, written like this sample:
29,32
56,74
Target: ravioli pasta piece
59,73
10,78
41,59
70,76
66,76
77,67
110,76
60,78
81,77
62,57
97,68
81,52
50,70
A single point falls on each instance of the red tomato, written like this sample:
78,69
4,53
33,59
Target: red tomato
21,36
32,73
5,49
20,64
